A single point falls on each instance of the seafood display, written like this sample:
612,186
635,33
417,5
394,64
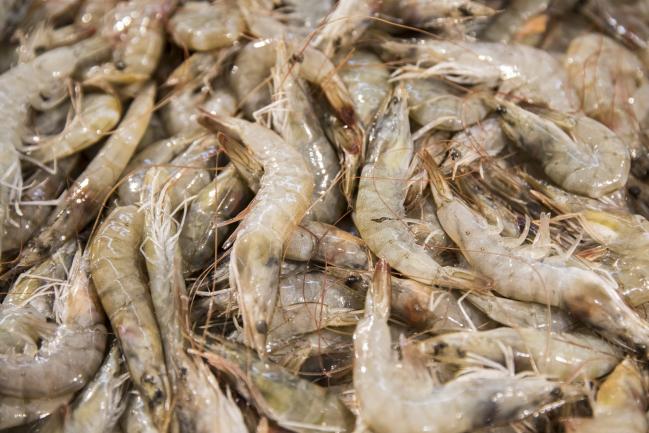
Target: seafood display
301,216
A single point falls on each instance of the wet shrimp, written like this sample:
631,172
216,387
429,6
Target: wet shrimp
587,158
80,203
122,288
345,24
438,14
205,26
70,356
503,26
96,117
562,356
520,71
99,406
295,120
407,400
381,193
620,404
281,203
529,273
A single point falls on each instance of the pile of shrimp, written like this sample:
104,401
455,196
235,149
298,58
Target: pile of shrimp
361,216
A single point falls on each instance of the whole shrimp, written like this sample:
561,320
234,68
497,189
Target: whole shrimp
620,404
68,358
406,400
122,288
561,356
381,193
36,83
201,407
79,204
587,159
529,274
294,119
523,72
206,26
281,203
504,25
438,14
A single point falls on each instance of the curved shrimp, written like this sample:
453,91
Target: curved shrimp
281,203
588,159
525,273
125,297
80,203
18,229
381,193
68,358
406,400
205,26
217,202
561,356
523,72
294,119
345,24
504,25
35,83
620,404
438,14
97,116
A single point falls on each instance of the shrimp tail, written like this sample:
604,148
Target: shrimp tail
377,302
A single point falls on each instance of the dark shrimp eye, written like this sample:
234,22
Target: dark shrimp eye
395,100
634,191
39,50
501,109
454,154
261,326
120,65
297,58
44,96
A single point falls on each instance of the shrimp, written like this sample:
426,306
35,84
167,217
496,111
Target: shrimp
605,76
504,25
67,358
200,404
100,404
80,203
98,114
381,193
345,24
366,78
294,119
327,244
43,78
518,314
436,105
588,159
125,297
397,397
44,186
620,404
524,273
19,411
523,72
203,231
206,26
281,203
561,356
436,14
293,403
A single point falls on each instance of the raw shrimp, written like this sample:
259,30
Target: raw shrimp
70,356
345,24
423,13
326,244
528,273
200,404
96,117
561,356
366,78
381,193
41,79
517,314
504,26
294,119
43,186
203,231
588,159
293,403
99,406
620,404
523,72
280,204
206,26
397,397
124,294
437,105
80,203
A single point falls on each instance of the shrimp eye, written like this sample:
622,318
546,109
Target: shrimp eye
45,97
120,65
297,58
634,191
454,154
556,393
39,50
261,326
501,109
395,100
464,11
